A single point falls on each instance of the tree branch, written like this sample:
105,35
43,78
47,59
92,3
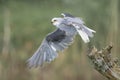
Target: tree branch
104,63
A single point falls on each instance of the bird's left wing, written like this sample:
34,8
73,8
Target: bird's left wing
47,52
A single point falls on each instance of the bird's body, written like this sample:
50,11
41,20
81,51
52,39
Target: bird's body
61,38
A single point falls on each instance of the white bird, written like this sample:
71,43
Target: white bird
67,27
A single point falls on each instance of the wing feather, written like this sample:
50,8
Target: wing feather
48,50
81,29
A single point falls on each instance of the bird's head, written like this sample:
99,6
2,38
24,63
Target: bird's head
56,21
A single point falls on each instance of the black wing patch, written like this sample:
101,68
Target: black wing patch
56,36
67,15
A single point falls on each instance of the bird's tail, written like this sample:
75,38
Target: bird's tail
85,33
43,54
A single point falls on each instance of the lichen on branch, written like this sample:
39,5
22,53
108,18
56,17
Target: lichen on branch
104,63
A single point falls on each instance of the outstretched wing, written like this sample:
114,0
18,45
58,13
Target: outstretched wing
47,52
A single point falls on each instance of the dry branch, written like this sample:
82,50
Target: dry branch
104,63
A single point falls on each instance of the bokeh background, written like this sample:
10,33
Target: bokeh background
24,24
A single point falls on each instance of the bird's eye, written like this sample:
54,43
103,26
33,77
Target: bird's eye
54,20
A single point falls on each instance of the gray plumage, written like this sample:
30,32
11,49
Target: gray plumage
61,38
67,15
51,45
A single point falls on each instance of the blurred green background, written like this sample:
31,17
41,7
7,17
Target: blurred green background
24,24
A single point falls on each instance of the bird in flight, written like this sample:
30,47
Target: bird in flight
67,27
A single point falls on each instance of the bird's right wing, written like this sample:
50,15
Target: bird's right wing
82,30
47,52
78,24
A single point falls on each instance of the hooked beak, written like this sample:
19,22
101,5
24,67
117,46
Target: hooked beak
51,22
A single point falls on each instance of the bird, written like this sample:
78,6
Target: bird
67,27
